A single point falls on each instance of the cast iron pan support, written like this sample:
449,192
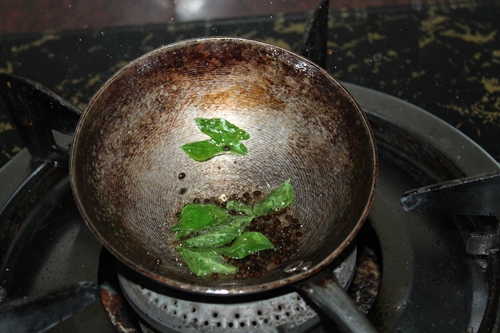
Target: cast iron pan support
41,312
36,111
313,43
478,195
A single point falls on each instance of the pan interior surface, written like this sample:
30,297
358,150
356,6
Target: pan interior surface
303,125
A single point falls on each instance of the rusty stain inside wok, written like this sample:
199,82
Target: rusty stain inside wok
126,157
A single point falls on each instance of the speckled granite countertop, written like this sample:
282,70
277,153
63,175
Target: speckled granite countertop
443,58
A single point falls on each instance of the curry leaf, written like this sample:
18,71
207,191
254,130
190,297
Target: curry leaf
235,147
225,138
205,261
248,243
279,198
220,234
239,207
214,227
204,150
221,130
198,216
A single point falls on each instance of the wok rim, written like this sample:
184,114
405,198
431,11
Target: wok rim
239,289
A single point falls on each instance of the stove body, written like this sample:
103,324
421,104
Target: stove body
425,268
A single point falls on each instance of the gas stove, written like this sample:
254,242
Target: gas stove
419,266
406,271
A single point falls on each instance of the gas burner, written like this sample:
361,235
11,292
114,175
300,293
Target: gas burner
194,313
136,304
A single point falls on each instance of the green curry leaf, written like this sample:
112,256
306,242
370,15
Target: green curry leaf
234,147
214,228
204,150
198,216
220,234
279,198
239,207
225,138
221,130
248,243
205,261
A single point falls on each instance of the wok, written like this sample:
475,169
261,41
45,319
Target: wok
304,126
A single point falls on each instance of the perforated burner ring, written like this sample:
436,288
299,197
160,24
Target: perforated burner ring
284,313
